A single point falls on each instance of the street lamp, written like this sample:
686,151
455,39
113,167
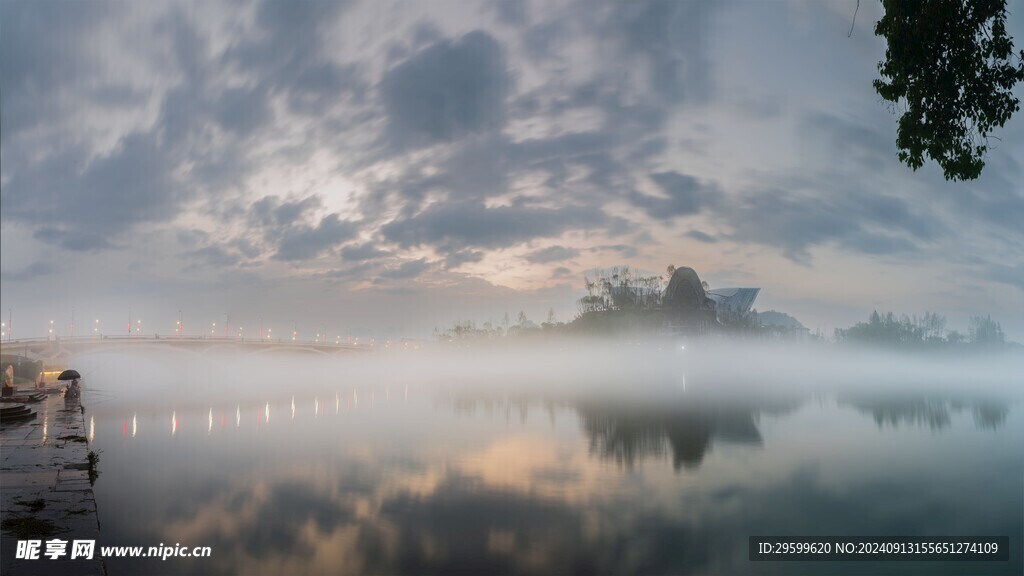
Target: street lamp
50,336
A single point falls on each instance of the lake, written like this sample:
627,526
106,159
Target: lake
578,462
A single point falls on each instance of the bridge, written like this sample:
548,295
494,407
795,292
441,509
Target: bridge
59,348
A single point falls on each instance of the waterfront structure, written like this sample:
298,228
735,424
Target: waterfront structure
685,304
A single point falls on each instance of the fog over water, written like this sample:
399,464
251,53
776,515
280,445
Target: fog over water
164,377
553,457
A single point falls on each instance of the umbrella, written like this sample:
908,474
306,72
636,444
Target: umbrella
69,375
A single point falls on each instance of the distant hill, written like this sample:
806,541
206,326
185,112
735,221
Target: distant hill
773,318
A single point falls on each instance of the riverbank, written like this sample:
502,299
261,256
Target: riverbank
45,490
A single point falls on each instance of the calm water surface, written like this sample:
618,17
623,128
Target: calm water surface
397,474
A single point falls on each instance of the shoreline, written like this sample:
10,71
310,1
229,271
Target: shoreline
45,489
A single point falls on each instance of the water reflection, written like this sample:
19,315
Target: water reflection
478,483
686,432
626,431
933,411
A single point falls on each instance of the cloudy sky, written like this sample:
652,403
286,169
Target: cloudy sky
394,166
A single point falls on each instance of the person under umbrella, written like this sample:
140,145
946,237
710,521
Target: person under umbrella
73,390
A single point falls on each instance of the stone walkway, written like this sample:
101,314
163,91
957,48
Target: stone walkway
45,493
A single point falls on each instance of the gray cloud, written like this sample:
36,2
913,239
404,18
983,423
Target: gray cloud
624,250
561,272
42,54
447,90
869,146
73,238
685,195
1012,275
701,236
86,205
458,225
305,242
796,219
407,270
30,272
243,110
511,12
361,252
271,211
288,57
551,254
669,38
547,113
456,259
213,255
481,166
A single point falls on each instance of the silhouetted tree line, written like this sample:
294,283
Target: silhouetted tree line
620,289
469,330
922,331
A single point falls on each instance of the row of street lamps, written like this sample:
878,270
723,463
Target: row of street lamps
179,329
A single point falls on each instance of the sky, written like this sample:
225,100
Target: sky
390,167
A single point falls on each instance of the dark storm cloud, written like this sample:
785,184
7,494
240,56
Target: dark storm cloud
551,254
447,90
684,195
306,242
407,270
458,225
